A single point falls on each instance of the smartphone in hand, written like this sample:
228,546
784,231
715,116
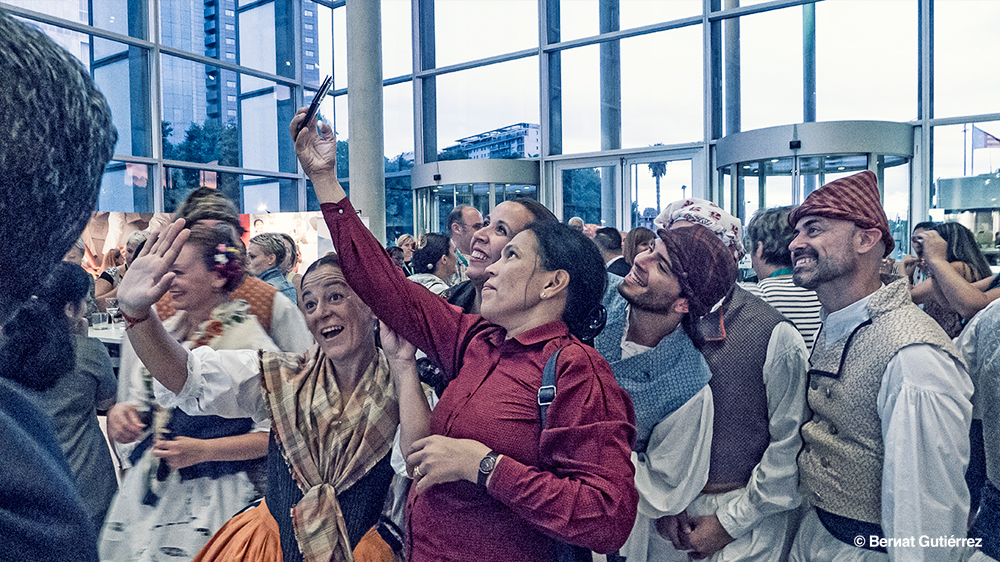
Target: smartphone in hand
324,89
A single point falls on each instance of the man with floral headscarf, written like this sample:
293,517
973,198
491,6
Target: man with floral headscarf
746,510
686,272
887,446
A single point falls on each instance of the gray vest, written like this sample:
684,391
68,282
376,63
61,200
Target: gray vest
840,467
740,434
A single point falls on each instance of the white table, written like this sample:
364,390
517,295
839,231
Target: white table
112,338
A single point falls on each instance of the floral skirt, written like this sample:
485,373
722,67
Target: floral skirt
188,513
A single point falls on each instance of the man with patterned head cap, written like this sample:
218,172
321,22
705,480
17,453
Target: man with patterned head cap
656,363
747,508
886,449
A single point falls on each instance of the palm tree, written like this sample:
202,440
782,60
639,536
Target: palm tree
658,169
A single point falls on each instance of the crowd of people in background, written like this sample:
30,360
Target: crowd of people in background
512,388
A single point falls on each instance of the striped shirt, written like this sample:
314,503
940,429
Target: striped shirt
799,305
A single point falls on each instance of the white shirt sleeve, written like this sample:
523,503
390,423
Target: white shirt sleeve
288,326
773,485
925,411
674,468
222,383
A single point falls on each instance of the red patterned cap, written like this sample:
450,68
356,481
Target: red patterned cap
854,198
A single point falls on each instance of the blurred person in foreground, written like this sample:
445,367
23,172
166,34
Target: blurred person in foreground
75,398
57,138
888,443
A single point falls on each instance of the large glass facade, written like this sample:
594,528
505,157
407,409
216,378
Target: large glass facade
202,95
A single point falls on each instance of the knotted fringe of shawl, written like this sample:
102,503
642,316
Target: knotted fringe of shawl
329,446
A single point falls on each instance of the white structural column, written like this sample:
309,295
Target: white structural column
364,112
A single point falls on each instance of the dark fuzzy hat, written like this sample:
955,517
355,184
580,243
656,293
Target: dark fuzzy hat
57,137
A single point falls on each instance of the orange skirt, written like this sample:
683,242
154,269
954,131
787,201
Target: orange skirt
252,536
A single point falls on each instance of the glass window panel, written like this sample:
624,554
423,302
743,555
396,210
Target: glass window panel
579,18
78,44
126,188
180,182
263,194
397,32
338,38
124,80
866,67
657,184
397,102
965,82
661,88
193,110
183,26
260,134
581,103
896,201
480,100
257,38
770,68
637,13
341,129
467,31
398,205
73,11
582,190
127,17
970,149
509,191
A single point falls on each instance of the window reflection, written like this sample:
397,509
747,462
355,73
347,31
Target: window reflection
480,100
126,188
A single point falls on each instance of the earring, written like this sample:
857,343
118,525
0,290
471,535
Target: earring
543,296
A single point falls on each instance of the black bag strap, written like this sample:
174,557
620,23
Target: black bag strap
565,552
547,392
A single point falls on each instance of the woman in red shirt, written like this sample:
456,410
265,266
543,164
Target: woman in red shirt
491,482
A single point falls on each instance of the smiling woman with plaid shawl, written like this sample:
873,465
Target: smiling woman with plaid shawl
333,410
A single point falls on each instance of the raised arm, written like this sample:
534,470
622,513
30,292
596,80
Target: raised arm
423,319
965,298
414,413
318,156
146,282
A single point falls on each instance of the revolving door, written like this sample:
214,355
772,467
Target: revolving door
780,166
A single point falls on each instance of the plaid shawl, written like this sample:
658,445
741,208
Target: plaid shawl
328,445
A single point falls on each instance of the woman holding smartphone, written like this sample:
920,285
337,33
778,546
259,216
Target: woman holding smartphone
492,481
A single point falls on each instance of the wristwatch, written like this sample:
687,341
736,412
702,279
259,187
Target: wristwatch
486,467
